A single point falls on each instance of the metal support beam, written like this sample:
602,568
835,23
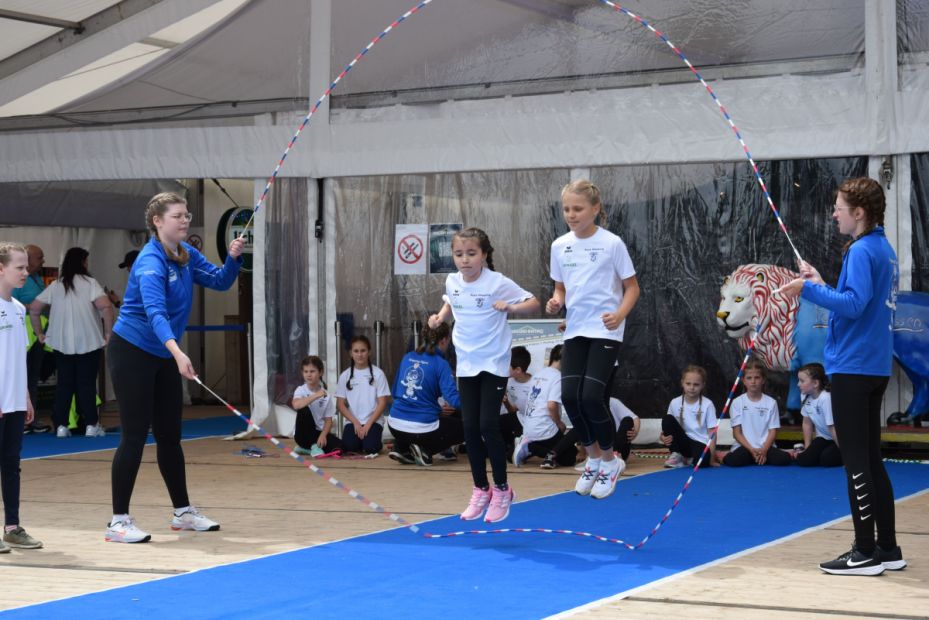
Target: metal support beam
108,31
77,27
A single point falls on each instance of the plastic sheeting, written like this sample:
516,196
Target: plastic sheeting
286,287
686,226
912,27
919,213
81,204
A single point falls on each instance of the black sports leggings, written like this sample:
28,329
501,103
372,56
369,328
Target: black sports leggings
148,390
586,371
481,397
856,403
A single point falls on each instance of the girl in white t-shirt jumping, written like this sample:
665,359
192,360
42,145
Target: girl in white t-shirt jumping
480,298
595,280
361,397
690,419
755,420
820,445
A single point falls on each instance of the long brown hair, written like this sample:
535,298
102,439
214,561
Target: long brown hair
158,205
482,240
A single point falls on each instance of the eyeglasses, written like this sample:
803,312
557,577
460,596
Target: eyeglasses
838,208
182,216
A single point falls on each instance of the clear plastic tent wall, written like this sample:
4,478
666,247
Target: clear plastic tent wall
919,213
686,227
287,260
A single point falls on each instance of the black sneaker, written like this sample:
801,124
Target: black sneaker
549,462
446,455
420,456
891,560
403,459
853,562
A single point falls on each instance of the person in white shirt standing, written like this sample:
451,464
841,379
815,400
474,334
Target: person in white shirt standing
15,405
74,332
755,420
595,280
480,299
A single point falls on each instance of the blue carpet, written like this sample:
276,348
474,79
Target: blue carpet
397,574
46,444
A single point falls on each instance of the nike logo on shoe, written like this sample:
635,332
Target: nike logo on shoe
851,564
858,486
856,476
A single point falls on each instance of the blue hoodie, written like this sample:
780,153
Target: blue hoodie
860,336
158,297
420,380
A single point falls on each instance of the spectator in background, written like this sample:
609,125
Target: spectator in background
128,260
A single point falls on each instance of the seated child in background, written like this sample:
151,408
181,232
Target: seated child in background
361,398
817,420
685,429
627,429
315,410
421,426
542,425
514,400
755,420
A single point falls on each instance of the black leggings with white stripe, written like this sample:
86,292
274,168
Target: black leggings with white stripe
856,401
587,366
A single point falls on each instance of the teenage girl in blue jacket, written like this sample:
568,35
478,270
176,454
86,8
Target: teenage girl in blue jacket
146,363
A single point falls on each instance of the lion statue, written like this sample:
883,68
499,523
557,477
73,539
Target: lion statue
795,331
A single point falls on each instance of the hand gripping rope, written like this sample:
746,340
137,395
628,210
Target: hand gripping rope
417,530
400,520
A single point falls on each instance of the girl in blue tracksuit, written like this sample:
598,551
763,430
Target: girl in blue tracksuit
858,357
420,424
146,363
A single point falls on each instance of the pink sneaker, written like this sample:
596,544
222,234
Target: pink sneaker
479,500
499,505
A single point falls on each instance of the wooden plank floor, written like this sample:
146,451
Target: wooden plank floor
272,505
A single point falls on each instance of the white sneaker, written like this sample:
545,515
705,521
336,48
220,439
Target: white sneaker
63,431
193,520
94,430
606,478
125,531
675,461
589,476
521,452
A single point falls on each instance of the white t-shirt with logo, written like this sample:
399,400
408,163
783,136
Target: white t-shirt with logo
619,410
321,408
517,393
362,398
755,417
819,411
13,345
538,425
74,324
698,418
482,336
592,271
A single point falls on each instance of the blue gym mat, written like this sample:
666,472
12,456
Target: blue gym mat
397,574
46,444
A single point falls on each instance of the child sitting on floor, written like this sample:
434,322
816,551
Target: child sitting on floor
755,420
315,410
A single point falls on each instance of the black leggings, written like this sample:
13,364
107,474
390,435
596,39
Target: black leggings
682,443
742,457
77,379
148,390
821,453
11,446
432,442
586,370
566,449
481,397
856,403
306,433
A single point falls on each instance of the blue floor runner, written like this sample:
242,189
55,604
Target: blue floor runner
47,444
397,574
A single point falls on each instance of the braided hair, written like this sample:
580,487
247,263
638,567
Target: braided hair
698,370
351,375
429,338
483,242
867,194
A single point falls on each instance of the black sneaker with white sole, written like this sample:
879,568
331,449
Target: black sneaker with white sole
549,462
891,560
853,562
420,456
402,458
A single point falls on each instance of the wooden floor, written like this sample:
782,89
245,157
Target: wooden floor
271,505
